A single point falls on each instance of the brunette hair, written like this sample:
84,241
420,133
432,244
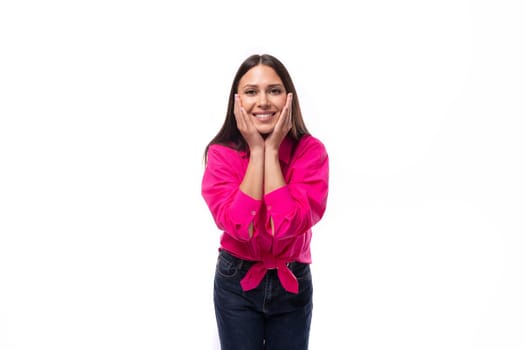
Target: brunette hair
229,135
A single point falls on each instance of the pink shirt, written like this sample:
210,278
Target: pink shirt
293,208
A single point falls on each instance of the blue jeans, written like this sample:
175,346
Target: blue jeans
267,317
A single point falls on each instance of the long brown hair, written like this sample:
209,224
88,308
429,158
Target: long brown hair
229,135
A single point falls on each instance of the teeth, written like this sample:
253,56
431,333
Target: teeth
263,116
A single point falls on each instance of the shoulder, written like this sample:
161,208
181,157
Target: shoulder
220,148
310,151
311,143
224,152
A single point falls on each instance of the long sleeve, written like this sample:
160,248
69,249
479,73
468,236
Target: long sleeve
233,211
294,208
281,221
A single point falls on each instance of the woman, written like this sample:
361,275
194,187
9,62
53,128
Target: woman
266,185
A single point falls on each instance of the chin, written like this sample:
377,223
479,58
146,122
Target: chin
265,131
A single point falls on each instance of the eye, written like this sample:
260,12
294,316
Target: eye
276,91
250,92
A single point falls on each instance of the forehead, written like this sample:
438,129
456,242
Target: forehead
260,75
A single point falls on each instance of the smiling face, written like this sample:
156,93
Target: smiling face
263,96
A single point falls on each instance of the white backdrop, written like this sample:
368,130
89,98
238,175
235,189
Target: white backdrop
106,107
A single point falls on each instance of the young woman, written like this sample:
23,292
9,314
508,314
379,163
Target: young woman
266,185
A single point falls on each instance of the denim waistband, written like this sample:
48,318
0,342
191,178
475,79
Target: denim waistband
244,265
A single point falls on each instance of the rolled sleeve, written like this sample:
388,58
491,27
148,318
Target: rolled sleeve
243,211
294,208
279,201
280,208
233,211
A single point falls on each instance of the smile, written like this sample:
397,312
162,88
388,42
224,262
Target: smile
263,116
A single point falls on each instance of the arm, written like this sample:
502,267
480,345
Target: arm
299,205
232,196
273,175
252,182
232,209
253,178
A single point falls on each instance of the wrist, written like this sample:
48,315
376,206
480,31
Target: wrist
271,152
257,152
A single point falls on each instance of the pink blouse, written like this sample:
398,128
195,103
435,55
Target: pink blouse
293,208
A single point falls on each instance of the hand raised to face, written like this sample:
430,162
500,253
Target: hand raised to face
246,126
282,127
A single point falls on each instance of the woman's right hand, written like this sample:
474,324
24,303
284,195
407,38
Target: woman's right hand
246,126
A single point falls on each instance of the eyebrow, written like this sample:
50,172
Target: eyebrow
270,86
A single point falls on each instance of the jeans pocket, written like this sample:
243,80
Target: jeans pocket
302,272
226,268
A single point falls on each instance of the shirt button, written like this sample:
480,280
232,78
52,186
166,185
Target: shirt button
253,212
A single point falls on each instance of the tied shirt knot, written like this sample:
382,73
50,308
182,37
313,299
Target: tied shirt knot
258,270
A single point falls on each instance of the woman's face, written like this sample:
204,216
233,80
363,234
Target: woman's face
263,96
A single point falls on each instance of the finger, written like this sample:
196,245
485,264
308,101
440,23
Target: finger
239,108
247,122
285,119
289,102
237,111
282,117
235,106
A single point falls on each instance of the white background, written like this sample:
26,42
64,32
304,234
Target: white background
106,107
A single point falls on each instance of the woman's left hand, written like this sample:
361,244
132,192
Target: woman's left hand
282,127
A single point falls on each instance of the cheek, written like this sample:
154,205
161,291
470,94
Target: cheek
280,102
247,103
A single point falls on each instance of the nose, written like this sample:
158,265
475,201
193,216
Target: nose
263,100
